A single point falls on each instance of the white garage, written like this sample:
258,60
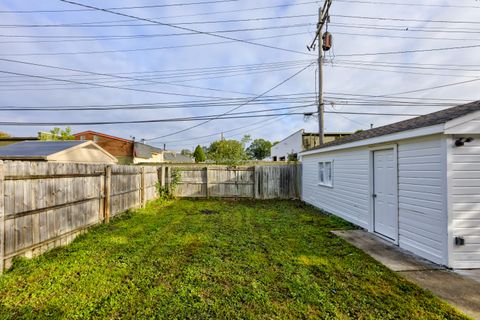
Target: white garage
415,183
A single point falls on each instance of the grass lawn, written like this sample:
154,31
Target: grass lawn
249,260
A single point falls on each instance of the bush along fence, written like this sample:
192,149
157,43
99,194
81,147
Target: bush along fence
257,182
46,205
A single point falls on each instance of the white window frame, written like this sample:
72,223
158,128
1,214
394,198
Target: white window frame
322,173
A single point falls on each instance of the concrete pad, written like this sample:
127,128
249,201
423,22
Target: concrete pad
469,273
461,291
385,252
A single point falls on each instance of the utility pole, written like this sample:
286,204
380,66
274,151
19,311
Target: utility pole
322,19
321,108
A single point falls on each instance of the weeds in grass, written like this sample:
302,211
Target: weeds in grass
251,260
167,192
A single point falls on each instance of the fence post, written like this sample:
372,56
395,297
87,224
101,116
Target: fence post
108,191
142,187
167,176
207,192
2,218
255,182
298,180
161,176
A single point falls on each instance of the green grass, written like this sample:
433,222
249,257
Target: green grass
251,260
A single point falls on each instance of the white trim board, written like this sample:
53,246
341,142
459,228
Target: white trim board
415,133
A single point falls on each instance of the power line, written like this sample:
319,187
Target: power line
98,123
148,81
239,106
404,19
395,97
121,8
108,24
389,36
289,99
183,28
136,49
407,51
134,107
411,64
172,73
136,36
200,118
406,28
168,17
26,85
409,4
348,66
102,74
262,122
102,85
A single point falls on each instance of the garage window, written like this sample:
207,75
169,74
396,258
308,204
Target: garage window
325,173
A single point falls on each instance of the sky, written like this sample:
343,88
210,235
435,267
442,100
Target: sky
193,58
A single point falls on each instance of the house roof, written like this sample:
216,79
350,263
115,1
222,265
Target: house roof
37,149
101,135
145,151
328,134
427,120
19,139
48,150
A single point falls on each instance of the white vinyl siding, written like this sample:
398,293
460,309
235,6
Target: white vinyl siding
465,207
421,195
422,210
349,195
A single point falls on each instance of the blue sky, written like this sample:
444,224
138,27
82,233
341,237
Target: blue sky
141,57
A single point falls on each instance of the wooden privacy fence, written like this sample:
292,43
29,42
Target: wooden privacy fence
45,205
258,182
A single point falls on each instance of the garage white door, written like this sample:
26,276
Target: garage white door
385,194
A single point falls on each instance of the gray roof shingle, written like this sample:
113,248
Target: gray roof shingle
145,151
36,149
427,120
177,158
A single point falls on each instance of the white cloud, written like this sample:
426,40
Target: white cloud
342,80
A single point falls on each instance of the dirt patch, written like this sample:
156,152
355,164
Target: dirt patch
209,212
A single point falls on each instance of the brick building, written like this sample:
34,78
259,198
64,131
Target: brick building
121,148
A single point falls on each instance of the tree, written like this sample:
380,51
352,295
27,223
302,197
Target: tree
199,155
4,135
259,149
230,152
57,134
246,139
186,152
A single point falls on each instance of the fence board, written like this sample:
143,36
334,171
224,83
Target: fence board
260,182
45,205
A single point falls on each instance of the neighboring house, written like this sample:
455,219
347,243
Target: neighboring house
415,183
57,151
11,140
143,153
298,142
147,154
173,157
121,148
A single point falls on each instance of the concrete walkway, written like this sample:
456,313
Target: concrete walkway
460,290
